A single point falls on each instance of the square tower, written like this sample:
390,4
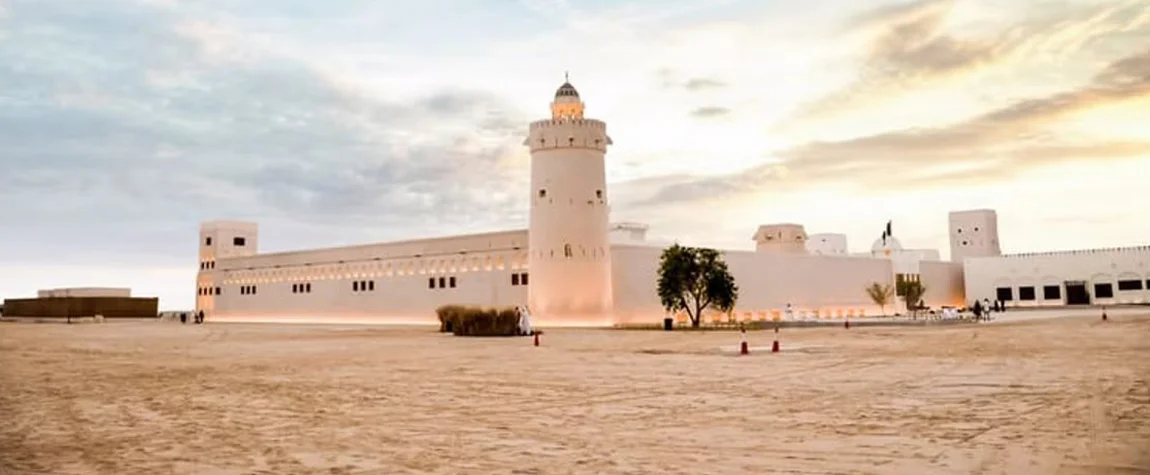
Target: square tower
224,239
782,238
973,233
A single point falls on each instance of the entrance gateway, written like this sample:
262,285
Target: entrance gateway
1076,293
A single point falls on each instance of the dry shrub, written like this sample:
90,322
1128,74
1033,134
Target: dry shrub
448,315
475,321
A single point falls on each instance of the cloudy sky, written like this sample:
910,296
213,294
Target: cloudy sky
124,123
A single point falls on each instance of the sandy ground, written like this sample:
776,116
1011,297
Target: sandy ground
1060,396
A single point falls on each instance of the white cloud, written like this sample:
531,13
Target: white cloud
314,116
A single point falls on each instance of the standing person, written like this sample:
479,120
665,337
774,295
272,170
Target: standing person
977,310
200,317
183,317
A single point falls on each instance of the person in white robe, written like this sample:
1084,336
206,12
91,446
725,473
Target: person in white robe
524,321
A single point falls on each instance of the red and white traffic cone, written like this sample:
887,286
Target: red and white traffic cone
775,345
743,349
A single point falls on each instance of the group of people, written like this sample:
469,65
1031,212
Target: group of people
983,308
197,317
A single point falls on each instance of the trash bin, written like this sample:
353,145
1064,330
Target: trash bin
668,323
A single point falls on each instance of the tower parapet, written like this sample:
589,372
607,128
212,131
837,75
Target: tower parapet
568,133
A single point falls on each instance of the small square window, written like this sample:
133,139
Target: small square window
431,283
307,287
514,279
371,285
208,241
451,282
523,279
1104,291
355,286
295,288
218,291
442,284
238,241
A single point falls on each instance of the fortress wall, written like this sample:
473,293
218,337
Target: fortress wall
391,282
766,282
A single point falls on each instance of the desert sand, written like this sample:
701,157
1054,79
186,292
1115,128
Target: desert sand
1060,396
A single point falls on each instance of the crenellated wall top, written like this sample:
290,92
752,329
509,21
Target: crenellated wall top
1083,251
554,124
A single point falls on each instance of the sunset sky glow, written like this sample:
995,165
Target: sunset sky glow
125,123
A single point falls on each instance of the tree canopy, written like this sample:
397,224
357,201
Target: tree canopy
912,292
694,279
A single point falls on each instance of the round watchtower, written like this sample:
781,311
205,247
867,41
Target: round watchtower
570,253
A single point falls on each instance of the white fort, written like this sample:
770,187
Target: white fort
572,267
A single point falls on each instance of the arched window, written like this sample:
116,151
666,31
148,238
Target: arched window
566,250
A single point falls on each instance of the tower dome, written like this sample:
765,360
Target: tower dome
566,90
567,104
884,246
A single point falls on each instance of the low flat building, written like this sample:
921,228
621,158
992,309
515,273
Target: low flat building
82,302
1043,279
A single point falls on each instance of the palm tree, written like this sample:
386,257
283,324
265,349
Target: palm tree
880,294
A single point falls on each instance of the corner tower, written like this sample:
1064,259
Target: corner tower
221,240
569,248
973,233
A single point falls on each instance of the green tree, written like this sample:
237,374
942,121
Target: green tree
880,294
912,292
693,279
